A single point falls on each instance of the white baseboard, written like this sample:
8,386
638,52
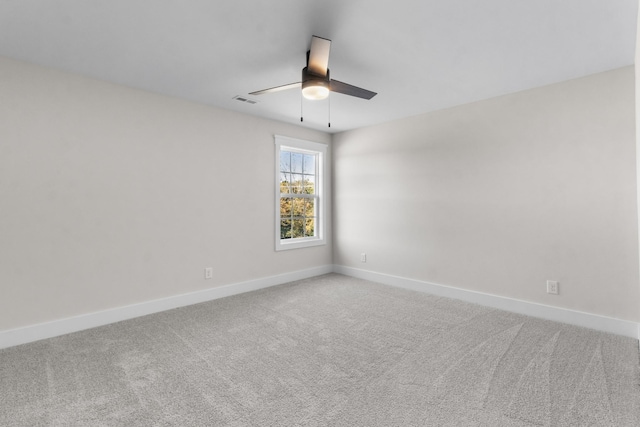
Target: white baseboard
572,317
55,328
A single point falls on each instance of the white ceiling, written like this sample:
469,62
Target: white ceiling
419,55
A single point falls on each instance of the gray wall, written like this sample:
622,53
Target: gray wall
111,196
500,195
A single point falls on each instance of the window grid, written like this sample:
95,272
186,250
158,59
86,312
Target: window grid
298,195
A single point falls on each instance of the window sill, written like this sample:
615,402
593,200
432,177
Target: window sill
284,245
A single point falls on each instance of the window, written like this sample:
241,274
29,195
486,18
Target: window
300,175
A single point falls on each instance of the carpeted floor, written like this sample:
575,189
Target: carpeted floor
327,351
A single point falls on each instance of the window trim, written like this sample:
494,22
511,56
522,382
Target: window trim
308,147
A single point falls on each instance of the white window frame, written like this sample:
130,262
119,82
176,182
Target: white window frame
306,147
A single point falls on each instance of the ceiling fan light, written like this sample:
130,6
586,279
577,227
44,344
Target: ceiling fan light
315,90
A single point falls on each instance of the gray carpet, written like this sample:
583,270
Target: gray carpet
327,351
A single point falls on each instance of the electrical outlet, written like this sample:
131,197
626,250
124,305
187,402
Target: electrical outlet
363,257
552,287
208,273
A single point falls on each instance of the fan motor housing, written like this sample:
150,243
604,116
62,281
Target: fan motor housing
310,77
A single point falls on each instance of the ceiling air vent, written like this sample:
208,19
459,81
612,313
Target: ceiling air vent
243,99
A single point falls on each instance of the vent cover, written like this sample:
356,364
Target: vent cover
243,99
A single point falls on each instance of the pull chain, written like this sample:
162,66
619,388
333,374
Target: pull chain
301,119
329,99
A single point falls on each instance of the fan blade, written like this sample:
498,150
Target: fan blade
277,88
347,89
318,61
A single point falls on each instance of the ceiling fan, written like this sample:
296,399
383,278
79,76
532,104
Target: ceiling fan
316,83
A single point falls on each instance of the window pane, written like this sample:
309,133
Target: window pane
296,184
285,183
309,164
285,229
296,162
285,161
285,207
309,229
298,207
309,207
309,182
297,229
